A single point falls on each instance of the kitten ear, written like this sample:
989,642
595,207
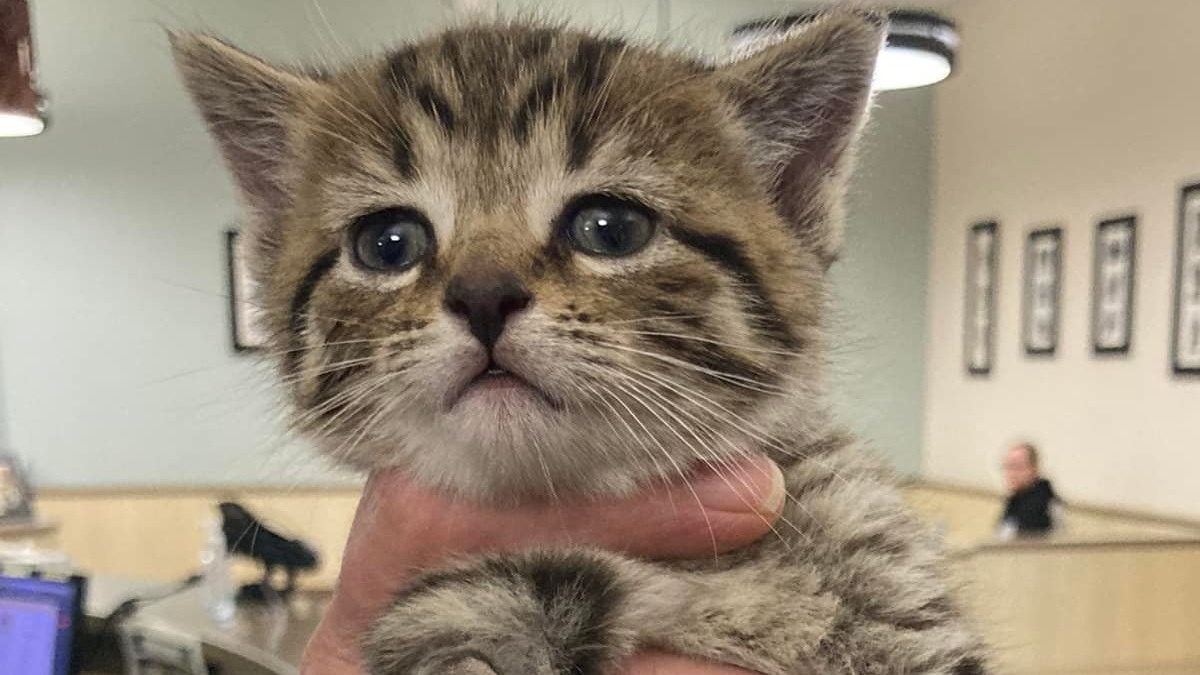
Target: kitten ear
247,104
804,99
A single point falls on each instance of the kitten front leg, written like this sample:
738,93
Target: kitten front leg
577,612
540,613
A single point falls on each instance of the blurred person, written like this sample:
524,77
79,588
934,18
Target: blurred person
1033,508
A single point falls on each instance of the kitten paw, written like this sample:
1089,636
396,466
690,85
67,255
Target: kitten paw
444,656
470,666
536,614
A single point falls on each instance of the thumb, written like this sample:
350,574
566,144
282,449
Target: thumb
714,511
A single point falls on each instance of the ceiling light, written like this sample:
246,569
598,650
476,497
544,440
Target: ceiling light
919,51
20,102
20,124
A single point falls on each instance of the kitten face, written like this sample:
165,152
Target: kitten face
517,261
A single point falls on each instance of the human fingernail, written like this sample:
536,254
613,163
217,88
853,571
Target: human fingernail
754,485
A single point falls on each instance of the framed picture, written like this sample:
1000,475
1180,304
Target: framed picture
1113,270
244,315
16,498
980,312
1043,281
1185,344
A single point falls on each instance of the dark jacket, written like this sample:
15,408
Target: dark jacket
1028,509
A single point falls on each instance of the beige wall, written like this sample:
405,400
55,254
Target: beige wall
1063,112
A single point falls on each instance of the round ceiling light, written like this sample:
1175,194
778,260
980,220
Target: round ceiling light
19,124
919,51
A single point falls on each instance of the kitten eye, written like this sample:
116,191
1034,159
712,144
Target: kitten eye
609,227
392,240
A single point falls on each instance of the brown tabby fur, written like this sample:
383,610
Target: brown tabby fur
702,346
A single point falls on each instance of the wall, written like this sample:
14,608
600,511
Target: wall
1065,112
4,447
113,336
881,280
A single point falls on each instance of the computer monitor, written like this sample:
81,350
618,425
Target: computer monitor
39,620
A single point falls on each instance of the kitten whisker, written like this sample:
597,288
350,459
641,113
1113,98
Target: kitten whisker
660,317
367,424
719,343
687,392
541,457
736,380
269,311
603,398
305,374
713,456
678,469
667,407
347,446
745,426
335,343
348,399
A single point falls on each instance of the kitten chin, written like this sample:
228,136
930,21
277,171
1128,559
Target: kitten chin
508,452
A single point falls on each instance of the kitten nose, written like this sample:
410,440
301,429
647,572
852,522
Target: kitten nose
486,300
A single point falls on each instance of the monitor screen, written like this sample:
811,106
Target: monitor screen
38,620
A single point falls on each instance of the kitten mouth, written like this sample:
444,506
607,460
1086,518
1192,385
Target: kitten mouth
497,380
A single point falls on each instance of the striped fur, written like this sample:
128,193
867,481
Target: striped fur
705,343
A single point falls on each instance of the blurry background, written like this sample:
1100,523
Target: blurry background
120,392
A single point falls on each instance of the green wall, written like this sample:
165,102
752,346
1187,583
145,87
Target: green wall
881,281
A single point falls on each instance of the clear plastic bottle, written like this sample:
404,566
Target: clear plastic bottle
219,593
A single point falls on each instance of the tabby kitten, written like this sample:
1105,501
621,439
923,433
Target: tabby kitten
521,262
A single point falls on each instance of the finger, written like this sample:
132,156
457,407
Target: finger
402,529
330,651
713,513
662,663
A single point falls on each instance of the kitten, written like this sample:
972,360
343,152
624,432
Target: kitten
520,262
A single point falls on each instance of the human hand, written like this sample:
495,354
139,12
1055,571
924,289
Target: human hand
401,530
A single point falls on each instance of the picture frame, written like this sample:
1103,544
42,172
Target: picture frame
1042,291
245,326
1185,333
1114,273
979,313
16,496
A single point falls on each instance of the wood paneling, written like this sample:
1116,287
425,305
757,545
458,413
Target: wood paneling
1098,609
158,535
